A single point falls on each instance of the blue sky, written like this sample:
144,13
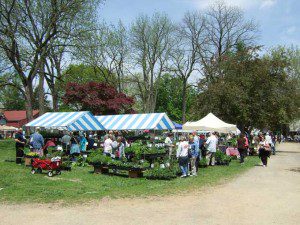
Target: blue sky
279,20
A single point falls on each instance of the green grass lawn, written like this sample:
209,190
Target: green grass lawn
18,185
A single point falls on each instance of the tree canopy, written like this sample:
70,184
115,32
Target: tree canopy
99,98
210,61
169,99
253,91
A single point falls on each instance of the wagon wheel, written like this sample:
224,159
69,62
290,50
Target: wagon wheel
58,172
32,171
50,174
39,170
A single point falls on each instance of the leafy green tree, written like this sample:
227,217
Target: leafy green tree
170,97
285,64
12,96
84,73
253,92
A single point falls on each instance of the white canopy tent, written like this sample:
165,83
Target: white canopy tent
7,128
210,123
295,126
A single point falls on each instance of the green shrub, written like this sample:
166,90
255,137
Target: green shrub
98,158
57,153
138,149
47,134
80,161
219,156
154,150
203,162
222,158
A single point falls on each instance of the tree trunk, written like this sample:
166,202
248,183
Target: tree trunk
54,100
41,91
148,102
152,102
119,83
29,100
241,127
184,89
54,91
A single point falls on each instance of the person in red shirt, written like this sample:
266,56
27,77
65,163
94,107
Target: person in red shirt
241,144
246,145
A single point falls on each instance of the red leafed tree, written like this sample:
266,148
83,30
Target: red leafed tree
99,98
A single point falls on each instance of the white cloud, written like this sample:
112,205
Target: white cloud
244,4
289,35
267,4
291,30
202,4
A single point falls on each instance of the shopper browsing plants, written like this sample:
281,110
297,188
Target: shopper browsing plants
182,155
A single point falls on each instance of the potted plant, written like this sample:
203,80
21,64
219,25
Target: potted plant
203,163
222,158
226,160
99,161
66,165
28,158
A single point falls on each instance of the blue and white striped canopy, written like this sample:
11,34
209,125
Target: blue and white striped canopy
150,121
72,121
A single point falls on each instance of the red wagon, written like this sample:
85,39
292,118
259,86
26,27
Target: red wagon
38,165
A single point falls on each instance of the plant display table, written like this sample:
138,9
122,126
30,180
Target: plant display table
132,171
151,156
232,151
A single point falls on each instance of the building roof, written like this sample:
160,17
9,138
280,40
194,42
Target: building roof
17,115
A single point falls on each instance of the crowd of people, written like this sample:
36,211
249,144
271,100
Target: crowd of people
71,143
114,145
193,147
190,148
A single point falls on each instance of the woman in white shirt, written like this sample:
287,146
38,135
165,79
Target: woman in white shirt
107,145
264,151
182,155
169,144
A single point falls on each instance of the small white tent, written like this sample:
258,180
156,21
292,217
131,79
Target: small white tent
295,126
210,123
7,128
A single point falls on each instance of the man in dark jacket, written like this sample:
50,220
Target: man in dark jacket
20,143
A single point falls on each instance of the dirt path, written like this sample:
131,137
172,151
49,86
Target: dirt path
260,196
